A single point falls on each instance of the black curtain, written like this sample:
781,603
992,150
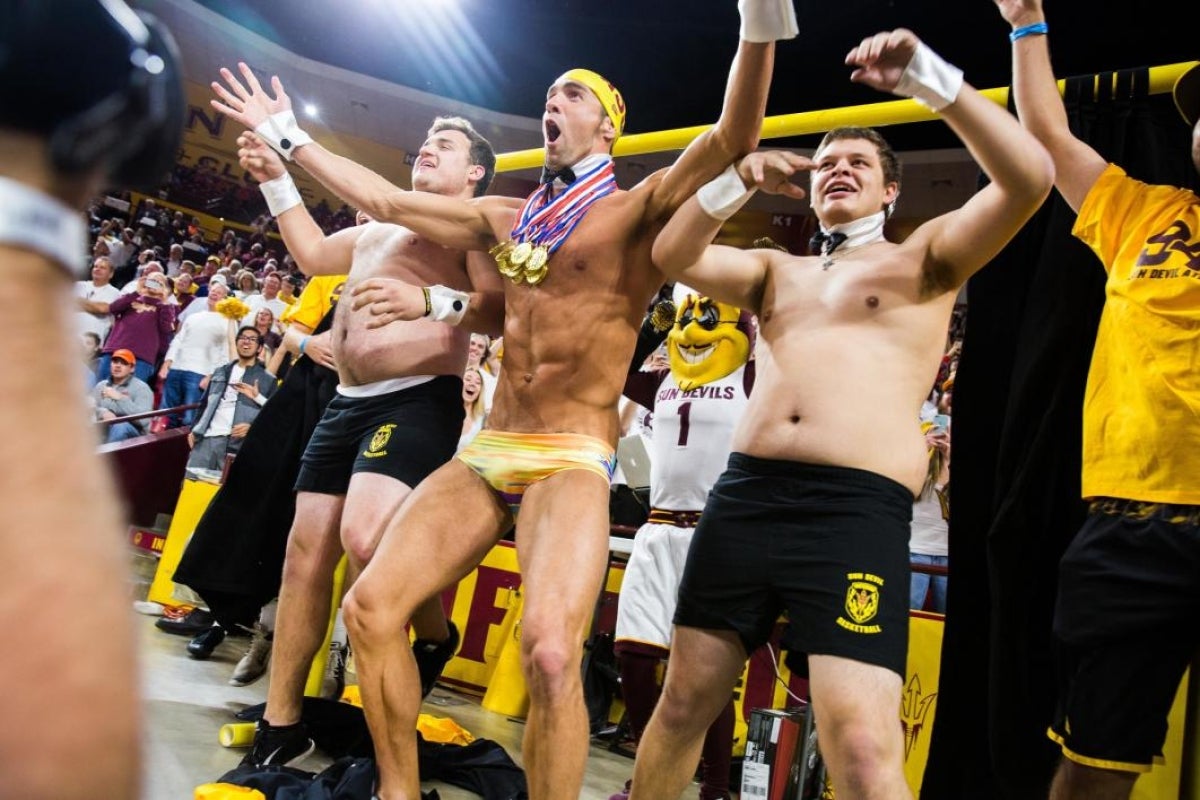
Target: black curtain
1015,486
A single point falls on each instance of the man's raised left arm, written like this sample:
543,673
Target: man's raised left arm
737,130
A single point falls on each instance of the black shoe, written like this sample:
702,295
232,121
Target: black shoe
203,645
432,658
281,745
195,621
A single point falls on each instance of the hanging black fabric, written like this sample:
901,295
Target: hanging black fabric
234,560
1031,322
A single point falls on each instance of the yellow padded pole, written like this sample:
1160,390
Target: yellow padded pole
870,115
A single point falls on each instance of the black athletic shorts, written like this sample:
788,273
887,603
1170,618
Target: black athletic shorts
405,434
1125,628
827,544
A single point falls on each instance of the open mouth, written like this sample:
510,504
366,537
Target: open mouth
552,131
695,354
838,189
425,165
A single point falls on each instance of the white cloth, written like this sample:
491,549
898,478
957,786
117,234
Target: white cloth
650,587
197,306
387,386
693,432
257,301
202,343
930,533
99,324
222,419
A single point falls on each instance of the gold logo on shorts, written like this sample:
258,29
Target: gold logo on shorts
379,441
862,602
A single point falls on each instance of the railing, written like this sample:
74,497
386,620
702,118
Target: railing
158,412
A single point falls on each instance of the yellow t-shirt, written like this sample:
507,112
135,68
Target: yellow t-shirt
320,294
1141,415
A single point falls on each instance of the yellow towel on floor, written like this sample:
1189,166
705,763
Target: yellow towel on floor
227,791
442,730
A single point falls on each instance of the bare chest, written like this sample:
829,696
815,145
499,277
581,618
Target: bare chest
858,290
391,251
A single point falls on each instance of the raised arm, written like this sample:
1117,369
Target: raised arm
737,130
1021,173
315,253
682,250
452,222
1076,164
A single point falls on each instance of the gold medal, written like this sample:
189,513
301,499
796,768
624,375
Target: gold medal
534,277
520,254
509,270
538,259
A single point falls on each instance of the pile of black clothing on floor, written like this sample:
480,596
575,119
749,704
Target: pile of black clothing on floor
340,730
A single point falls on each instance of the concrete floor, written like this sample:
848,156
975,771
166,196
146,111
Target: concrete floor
187,701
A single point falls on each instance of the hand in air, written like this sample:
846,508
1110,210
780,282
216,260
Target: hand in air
772,170
388,300
252,107
881,59
1020,12
257,158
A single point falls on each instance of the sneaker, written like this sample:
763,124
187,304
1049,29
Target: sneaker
282,745
624,793
254,663
432,658
334,682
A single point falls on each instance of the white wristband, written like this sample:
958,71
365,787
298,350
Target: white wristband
445,304
35,221
283,133
929,80
767,20
724,195
281,194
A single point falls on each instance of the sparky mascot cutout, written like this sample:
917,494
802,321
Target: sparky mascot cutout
697,404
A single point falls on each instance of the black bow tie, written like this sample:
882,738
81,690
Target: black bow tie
817,244
566,175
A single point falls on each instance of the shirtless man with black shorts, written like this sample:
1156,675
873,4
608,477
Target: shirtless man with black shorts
396,418
812,514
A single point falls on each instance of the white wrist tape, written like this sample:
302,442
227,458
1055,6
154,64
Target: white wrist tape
929,80
724,195
282,132
446,304
35,221
767,20
281,194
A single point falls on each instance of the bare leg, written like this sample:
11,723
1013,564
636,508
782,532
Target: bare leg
372,501
562,546
858,725
313,551
1074,781
704,666
440,534
73,687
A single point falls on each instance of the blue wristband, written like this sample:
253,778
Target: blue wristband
304,344
1036,29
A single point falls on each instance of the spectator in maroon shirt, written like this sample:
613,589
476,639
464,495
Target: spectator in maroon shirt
143,322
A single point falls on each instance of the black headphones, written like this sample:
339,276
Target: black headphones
100,81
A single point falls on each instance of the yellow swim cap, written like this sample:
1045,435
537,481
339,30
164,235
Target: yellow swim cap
610,99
